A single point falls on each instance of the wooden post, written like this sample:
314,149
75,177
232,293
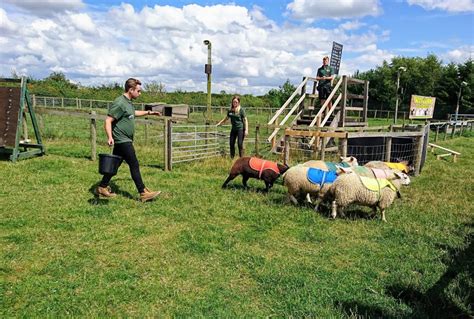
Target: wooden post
462,128
366,100
323,148
419,153
62,102
343,146
388,148
168,146
93,136
146,131
342,117
453,130
257,132
437,133
286,151
25,128
375,114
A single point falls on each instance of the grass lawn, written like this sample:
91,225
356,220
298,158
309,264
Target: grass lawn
202,251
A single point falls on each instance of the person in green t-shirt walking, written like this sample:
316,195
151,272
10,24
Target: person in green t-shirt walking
120,128
240,126
325,76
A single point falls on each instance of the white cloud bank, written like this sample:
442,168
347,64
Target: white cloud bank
445,5
311,10
250,53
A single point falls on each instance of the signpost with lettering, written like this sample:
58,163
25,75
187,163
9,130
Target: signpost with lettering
422,107
336,56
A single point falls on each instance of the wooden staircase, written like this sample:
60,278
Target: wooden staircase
299,111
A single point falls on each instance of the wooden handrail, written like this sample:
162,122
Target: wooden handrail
323,122
298,89
326,103
297,104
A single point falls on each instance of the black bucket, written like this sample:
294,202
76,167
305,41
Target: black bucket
109,164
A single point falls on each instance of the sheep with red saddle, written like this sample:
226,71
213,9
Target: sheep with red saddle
254,167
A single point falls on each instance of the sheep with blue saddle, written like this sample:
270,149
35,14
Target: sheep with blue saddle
313,179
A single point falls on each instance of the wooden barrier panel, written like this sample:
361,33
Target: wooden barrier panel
9,109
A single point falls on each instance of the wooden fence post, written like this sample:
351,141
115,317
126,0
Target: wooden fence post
286,151
146,130
366,100
388,149
93,136
168,146
257,132
453,130
323,148
419,154
462,129
343,145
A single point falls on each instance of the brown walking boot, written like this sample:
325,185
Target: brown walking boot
148,195
104,192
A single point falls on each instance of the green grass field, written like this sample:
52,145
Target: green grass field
200,251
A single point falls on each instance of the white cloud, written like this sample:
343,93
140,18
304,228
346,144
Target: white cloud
311,10
83,22
459,55
445,5
46,7
6,25
250,52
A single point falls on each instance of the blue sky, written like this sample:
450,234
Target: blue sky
257,45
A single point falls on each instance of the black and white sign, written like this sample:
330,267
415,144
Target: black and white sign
336,56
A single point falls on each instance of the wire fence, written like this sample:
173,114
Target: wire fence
266,112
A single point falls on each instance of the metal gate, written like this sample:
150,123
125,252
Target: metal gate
195,142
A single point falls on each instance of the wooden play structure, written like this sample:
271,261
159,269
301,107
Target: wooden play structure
349,109
449,152
15,106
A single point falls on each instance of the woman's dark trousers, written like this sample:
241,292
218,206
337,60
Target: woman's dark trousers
239,135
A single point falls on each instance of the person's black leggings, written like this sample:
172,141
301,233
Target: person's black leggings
127,151
239,135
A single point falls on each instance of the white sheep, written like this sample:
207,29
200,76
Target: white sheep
295,179
349,161
349,189
403,166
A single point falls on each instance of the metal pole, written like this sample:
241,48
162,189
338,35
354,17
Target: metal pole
208,72
402,68
396,101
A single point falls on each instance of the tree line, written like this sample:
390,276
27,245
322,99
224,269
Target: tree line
428,76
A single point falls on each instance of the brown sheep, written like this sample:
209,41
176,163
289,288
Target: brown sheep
253,167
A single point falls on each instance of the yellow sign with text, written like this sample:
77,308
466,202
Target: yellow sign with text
422,107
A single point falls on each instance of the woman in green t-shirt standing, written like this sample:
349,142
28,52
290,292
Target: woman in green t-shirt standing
240,126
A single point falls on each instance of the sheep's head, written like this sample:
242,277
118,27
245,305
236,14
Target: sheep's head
282,168
351,160
404,178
